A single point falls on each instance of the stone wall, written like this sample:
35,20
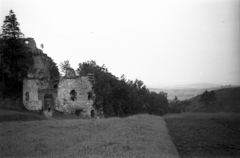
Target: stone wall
30,95
68,95
65,101
71,95
34,91
30,43
40,68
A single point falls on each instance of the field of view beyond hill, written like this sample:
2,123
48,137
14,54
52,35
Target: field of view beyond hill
187,91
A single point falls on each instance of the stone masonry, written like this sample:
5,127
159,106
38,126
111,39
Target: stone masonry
66,102
69,94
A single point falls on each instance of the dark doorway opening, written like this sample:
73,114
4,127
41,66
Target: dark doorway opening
48,102
78,112
92,113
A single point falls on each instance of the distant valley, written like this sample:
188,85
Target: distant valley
183,92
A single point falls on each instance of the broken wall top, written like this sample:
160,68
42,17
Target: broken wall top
70,73
40,68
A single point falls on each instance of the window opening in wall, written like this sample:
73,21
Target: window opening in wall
90,95
73,95
55,86
27,96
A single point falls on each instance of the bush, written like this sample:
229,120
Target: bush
177,106
208,97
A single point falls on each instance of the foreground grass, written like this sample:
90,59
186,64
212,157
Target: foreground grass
136,136
205,135
10,115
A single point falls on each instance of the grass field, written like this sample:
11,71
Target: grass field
10,115
205,135
191,135
135,136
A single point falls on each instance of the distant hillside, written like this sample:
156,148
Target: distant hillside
189,86
188,91
227,100
181,94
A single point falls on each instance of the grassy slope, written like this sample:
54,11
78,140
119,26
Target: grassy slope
10,115
135,136
227,100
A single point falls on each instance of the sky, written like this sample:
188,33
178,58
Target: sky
167,42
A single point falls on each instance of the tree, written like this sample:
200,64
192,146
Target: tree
88,67
178,106
10,28
54,72
118,97
15,57
207,97
64,65
212,96
176,99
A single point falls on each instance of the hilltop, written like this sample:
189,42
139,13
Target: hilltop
227,100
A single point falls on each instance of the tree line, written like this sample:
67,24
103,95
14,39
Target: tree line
119,96
207,97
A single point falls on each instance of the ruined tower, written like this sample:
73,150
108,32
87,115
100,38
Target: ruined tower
69,94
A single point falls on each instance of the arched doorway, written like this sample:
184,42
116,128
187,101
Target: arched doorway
48,102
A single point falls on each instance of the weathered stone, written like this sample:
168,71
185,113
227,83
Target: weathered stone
30,95
70,73
68,104
67,95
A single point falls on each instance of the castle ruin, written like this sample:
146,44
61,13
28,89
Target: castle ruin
68,94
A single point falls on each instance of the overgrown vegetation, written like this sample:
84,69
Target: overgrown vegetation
121,97
208,97
16,58
177,106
